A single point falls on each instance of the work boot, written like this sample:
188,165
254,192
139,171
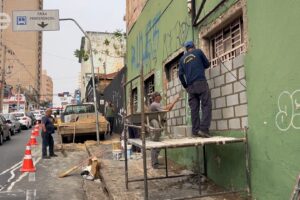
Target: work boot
203,134
53,155
46,157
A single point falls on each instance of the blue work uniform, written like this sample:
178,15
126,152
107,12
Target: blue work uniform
192,67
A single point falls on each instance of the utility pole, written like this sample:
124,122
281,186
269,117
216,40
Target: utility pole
18,100
2,78
93,74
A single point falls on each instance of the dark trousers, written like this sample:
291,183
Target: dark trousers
134,133
47,140
199,92
111,123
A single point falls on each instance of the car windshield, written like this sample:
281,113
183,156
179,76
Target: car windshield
77,109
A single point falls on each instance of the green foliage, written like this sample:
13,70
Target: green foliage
81,54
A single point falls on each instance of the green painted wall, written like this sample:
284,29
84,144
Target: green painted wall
272,75
160,30
272,70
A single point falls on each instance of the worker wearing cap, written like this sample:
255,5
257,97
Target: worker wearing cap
192,67
157,107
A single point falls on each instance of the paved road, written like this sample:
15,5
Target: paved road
11,156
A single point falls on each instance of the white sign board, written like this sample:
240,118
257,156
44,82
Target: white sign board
37,20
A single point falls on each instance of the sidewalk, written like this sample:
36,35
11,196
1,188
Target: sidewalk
113,177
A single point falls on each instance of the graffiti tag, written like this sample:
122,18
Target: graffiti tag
288,115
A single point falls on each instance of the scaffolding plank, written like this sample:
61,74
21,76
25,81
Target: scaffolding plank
185,142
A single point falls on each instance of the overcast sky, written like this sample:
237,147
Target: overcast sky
59,46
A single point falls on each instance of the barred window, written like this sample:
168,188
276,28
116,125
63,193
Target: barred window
227,43
134,95
149,88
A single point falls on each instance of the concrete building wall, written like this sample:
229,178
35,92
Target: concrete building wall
108,52
269,102
133,10
26,63
46,88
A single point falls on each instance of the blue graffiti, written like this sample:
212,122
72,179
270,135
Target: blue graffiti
145,48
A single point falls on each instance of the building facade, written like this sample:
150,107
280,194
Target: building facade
23,59
108,54
253,80
46,88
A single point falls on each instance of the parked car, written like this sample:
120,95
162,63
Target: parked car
33,119
5,134
25,121
38,114
13,122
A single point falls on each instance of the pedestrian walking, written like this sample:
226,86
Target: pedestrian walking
47,131
156,107
110,116
192,67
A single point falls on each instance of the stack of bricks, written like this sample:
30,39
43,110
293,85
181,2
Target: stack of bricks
177,116
229,101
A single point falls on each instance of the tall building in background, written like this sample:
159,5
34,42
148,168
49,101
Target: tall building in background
46,88
24,51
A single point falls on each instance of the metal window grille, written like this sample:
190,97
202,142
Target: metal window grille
149,89
135,99
227,43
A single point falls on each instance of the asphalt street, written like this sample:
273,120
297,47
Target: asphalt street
11,157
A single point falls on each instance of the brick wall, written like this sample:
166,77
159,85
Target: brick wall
176,117
229,101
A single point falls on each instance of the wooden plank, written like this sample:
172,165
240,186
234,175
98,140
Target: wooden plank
185,142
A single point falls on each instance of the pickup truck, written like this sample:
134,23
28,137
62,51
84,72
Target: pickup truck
80,120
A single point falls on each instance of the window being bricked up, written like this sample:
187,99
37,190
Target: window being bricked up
134,94
227,43
149,88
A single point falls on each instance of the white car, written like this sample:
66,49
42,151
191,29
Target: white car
23,119
38,114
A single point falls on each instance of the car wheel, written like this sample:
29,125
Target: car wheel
19,131
9,136
1,138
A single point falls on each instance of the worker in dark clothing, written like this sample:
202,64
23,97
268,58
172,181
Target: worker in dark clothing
110,116
47,131
157,107
192,67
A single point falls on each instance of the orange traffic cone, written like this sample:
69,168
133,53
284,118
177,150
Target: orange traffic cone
27,164
35,132
28,149
33,140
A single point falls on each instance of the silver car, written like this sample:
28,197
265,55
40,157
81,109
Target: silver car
5,134
13,122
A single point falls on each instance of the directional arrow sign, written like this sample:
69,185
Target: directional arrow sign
37,20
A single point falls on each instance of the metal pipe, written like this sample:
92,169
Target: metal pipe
199,12
93,74
247,157
126,159
204,160
143,133
132,80
166,162
133,126
199,168
162,177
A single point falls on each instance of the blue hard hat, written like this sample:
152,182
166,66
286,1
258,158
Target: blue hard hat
189,44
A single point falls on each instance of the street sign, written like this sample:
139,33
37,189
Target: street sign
35,20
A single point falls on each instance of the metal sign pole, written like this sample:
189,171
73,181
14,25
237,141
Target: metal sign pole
93,74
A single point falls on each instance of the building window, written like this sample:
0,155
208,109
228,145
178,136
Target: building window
134,95
227,43
149,89
172,67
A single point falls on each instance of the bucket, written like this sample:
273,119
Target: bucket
116,145
117,154
129,151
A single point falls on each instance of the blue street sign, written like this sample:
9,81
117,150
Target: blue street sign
21,20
